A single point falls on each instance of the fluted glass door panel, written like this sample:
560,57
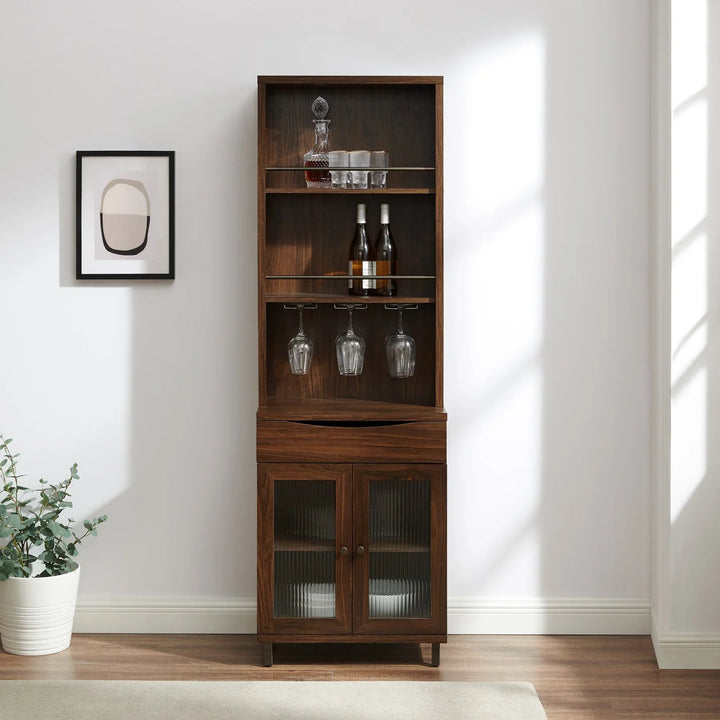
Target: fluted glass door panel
399,562
304,549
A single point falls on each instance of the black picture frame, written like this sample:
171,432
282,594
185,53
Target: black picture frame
125,215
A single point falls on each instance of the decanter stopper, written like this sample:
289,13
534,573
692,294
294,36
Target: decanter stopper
320,107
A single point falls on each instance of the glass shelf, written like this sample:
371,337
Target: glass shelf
396,546
290,543
305,544
299,543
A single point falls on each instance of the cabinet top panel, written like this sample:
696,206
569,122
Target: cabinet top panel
347,410
350,80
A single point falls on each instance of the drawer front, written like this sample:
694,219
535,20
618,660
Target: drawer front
292,441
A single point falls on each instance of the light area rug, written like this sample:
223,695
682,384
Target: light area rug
267,700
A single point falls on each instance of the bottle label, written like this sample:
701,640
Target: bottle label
382,267
367,267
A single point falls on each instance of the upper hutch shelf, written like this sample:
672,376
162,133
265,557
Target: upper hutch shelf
304,235
395,114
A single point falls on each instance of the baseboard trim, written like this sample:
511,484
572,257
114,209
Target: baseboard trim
549,616
466,616
686,651
143,615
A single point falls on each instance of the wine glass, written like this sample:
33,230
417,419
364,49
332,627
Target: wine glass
400,349
350,349
300,349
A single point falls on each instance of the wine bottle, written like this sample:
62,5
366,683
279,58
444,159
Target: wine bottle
386,257
360,260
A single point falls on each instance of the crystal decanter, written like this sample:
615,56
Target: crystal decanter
318,156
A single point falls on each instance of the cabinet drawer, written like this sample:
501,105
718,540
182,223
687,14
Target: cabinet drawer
361,442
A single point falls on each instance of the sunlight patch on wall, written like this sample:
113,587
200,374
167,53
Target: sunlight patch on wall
689,72
502,114
689,441
689,272
494,315
690,169
688,334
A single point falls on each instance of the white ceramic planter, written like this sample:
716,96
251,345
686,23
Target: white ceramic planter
36,614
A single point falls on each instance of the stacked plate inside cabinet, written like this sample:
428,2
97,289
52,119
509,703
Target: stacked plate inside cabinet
397,598
314,599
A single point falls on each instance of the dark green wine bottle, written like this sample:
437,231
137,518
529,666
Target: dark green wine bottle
386,257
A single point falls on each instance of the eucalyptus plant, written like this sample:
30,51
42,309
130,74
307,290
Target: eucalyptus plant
33,528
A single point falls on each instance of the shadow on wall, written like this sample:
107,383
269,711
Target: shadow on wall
189,396
194,361
595,393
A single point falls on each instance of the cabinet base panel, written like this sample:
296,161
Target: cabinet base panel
434,644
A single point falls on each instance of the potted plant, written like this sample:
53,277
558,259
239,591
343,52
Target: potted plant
38,571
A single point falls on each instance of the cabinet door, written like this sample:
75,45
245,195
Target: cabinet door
399,539
304,536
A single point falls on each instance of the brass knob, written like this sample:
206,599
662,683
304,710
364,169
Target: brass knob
343,550
360,550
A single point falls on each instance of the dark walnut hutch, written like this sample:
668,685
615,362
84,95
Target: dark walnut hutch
351,543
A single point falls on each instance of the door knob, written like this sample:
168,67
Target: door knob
360,550
343,550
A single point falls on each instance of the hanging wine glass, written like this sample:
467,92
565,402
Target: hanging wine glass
350,349
300,349
400,349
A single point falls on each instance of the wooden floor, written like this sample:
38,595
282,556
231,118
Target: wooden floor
576,677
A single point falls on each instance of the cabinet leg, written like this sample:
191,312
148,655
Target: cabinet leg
435,659
267,654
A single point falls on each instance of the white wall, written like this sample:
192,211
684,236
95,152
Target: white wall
686,235
151,386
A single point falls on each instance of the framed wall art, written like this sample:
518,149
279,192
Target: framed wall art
125,214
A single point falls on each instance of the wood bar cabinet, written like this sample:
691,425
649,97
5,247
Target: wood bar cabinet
351,469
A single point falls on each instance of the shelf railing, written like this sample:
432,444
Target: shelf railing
350,277
297,168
